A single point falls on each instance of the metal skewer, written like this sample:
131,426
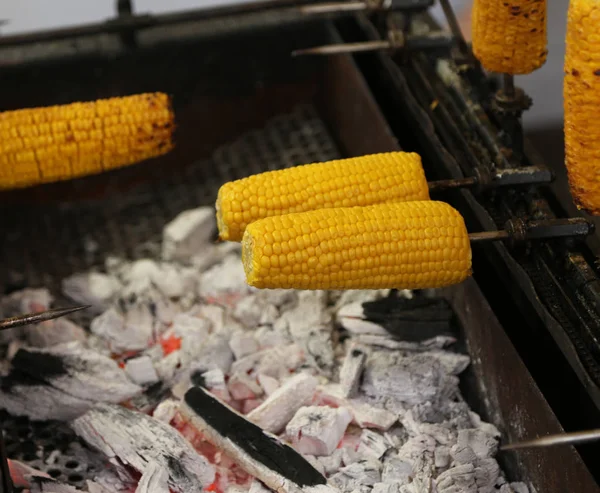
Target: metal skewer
559,439
372,5
526,175
36,318
518,230
397,40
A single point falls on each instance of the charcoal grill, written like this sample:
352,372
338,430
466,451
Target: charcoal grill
243,105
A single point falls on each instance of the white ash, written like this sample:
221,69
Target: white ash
216,353
138,440
269,315
211,254
70,382
279,408
147,302
357,476
188,233
110,327
405,377
269,384
85,374
171,280
215,314
351,318
357,296
396,470
166,410
141,371
274,335
332,463
373,445
386,487
92,288
317,430
257,487
351,371
276,362
54,332
441,457
406,409
242,386
243,343
155,479
28,300
367,416
225,278
438,342
248,311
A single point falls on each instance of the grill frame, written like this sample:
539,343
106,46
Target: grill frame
339,81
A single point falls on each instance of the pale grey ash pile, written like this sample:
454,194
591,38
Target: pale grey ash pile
188,380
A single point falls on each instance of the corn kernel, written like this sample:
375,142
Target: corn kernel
418,256
581,102
63,142
349,183
509,36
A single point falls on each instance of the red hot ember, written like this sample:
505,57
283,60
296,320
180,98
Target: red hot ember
187,379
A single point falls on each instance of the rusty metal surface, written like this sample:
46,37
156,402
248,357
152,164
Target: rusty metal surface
512,400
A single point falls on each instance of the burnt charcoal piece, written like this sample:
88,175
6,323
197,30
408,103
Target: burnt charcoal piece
219,423
141,441
40,366
411,320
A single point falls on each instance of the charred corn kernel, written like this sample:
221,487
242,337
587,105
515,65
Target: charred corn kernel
582,102
365,180
404,245
509,36
41,145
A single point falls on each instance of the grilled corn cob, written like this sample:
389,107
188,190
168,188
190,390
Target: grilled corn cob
408,245
365,180
581,103
509,36
41,145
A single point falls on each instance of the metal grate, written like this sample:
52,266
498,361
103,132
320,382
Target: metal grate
40,245
60,241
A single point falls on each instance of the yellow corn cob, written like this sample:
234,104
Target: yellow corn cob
509,36
582,102
41,145
365,180
404,245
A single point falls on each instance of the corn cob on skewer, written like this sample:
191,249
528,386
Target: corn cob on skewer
509,36
360,181
581,103
409,245
55,143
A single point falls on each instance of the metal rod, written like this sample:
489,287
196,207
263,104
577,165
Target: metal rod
437,185
509,86
559,439
142,21
333,7
454,25
483,236
36,318
6,482
344,48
